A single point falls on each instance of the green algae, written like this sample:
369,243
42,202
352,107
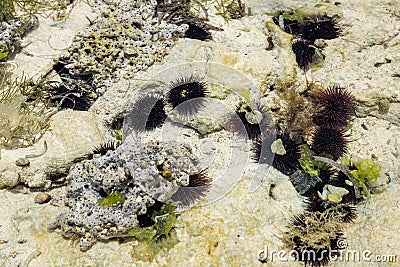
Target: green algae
163,219
308,163
3,51
112,199
363,170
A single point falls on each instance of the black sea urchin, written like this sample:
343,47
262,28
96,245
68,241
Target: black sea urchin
146,114
282,152
304,51
199,185
242,126
102,149
346,212
329,141
238,123
187,95
198,32
320,27
335,107
341,180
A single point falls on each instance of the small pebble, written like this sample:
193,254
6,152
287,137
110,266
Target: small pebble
42,198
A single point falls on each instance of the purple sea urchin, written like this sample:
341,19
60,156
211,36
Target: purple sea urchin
187,89
198,186
335,107
321,26
146,114
282,152
329,141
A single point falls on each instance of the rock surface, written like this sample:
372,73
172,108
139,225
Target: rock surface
71,135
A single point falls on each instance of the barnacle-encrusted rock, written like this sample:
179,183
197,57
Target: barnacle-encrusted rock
136,174
123,40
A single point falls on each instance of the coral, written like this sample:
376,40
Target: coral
334,107
107,195
125,39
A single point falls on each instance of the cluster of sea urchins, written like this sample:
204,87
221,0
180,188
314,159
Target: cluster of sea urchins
306,31
334,109
186,96
277,149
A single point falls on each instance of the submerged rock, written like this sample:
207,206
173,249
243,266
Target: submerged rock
107,194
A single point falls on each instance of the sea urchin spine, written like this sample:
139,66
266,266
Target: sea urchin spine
282,152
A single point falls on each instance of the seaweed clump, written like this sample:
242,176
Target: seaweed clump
23,117
317,237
